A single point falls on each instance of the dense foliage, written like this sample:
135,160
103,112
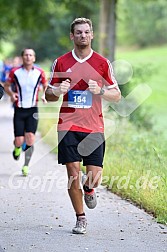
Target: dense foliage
45,24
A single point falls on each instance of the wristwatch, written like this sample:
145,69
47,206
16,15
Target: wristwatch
102,91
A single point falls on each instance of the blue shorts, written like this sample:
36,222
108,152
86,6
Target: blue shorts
80,146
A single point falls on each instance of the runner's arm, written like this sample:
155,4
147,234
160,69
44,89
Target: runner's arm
53,93
8,90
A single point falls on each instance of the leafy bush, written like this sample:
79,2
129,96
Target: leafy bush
142,116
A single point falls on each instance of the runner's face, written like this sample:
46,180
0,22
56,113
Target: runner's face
82,35
28,57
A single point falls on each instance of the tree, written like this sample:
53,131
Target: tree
19,15
45,24
142,23
107,27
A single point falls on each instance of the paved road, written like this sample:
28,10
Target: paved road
36,213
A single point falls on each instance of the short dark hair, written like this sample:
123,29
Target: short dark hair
80,20
23,51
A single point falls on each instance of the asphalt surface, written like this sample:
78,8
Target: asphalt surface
36,213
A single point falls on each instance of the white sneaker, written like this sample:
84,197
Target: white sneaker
80,227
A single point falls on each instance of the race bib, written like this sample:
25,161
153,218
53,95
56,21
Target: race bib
79,99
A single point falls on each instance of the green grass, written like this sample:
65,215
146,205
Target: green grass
135,169
48,118
135,159
156,57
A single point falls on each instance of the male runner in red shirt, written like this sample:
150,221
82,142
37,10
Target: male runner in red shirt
83,77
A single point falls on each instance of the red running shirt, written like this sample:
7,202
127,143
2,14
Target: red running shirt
81,110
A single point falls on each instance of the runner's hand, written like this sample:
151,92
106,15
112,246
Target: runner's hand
14,97
93,87
64,86
43,98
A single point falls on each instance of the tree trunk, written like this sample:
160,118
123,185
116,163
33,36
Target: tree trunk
107,27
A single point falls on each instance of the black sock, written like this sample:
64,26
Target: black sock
86,189
78,215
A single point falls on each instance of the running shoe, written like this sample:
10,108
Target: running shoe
16,153
25,170
90,199
80,227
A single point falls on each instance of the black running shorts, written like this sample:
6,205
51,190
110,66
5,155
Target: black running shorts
24,120
77,146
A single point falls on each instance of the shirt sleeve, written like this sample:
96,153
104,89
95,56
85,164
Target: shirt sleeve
10,78
43,77
54,78
109,79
